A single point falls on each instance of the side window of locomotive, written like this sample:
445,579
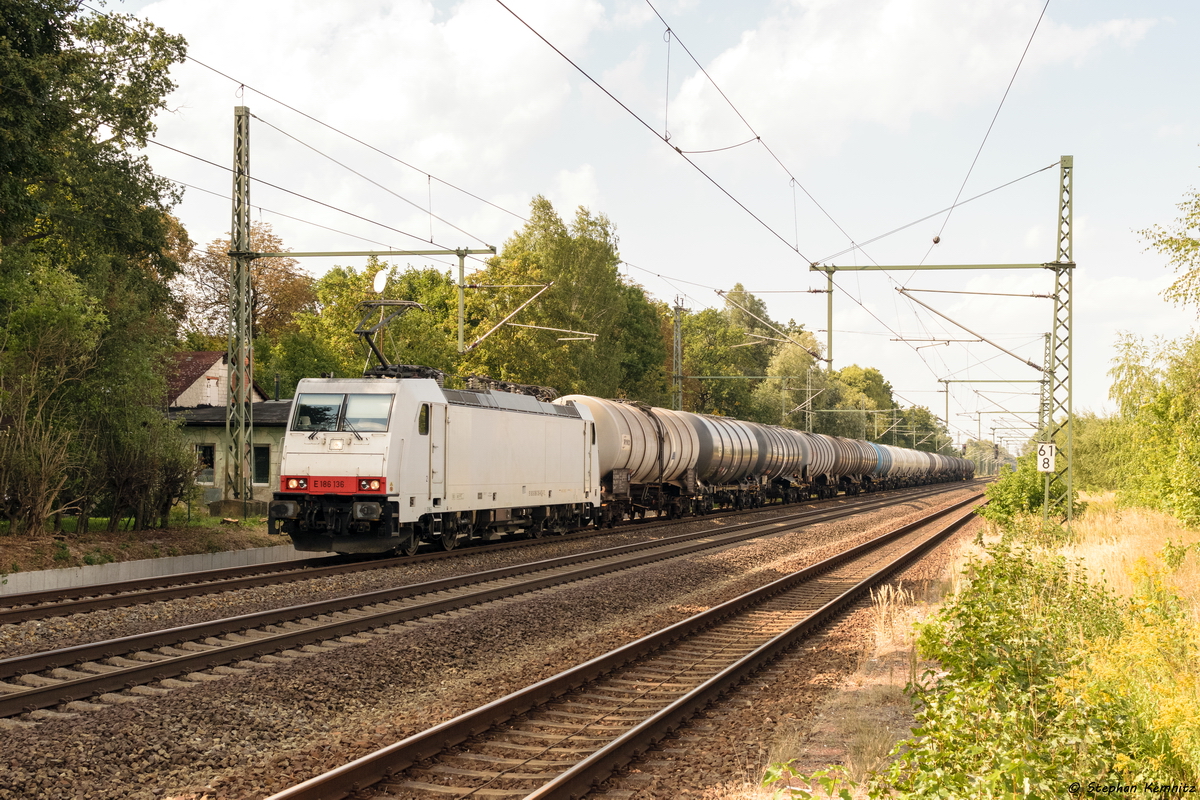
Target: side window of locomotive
317,412
423,420
368,412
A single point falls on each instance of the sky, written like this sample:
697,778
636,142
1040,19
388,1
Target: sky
827,124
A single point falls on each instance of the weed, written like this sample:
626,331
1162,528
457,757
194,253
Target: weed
62,554
832,782
97,556
1174,554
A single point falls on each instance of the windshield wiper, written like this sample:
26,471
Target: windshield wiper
350,427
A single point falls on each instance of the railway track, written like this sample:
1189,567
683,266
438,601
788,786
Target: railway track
561,736
26,606
73,678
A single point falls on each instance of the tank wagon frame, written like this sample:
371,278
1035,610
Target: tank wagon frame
388,462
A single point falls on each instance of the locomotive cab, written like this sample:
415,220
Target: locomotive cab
344,462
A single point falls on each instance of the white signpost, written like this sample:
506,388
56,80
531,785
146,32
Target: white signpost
1045,456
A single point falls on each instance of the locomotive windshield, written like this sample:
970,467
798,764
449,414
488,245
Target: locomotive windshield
340,412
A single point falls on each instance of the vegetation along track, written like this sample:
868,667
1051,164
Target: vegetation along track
65,677
559,737
25,606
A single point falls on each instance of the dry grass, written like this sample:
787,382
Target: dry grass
1112,542
871,713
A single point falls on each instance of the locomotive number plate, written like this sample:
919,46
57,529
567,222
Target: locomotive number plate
329,483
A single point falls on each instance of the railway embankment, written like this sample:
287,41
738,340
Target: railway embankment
33,563
1061,663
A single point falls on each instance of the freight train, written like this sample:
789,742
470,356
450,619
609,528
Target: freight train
386,463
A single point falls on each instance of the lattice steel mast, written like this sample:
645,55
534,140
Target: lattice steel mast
239,416
1056,369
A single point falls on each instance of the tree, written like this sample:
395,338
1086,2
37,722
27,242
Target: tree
870,383
797,381
587,295
87,247
1182,249
78,93
323,339
712,348
279,289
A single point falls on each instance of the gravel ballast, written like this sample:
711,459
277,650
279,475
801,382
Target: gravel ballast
251,734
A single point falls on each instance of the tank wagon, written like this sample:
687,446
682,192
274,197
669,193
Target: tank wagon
385,463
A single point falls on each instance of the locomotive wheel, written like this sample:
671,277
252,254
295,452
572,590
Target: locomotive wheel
449,536
410,546
536,529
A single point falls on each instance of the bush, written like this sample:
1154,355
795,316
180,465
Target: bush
1023,492
996,724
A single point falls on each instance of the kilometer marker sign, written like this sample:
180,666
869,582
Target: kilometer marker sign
1045,456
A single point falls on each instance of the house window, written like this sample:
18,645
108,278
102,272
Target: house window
206,458
262,463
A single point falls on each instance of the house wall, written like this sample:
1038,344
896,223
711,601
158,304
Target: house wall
210,389
219,440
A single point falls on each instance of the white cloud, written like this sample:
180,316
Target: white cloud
574,188
816,67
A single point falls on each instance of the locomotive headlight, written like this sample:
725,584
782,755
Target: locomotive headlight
367,511
285,509
369,485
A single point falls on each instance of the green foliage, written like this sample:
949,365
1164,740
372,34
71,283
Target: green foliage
1021,492
588,295
61,554
97,556
712,347
1154,445
832,782
86,251
995,723
1182,250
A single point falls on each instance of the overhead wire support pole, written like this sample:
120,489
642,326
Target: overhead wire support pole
239,416
677,357
1061,345
1057,368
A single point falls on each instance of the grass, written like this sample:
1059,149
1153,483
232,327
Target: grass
1105,620
1112,542
67,549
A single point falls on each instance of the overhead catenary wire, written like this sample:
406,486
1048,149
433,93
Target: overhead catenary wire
322,123
301,220
994,118
650,128
430,177
372,181
293,193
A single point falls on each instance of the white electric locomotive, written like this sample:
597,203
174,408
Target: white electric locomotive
376,465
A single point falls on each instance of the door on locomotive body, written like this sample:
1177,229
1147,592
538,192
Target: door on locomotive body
589,444
437,452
